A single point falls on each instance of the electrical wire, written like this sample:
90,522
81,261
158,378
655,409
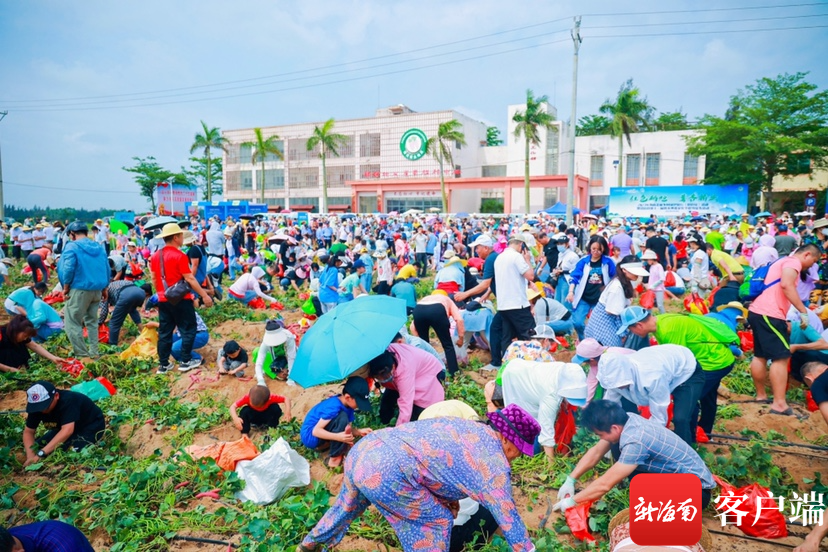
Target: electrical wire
41,187
637,25
727,31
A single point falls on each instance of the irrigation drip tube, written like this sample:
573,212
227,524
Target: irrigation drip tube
754,539
774,443
12,412
205,541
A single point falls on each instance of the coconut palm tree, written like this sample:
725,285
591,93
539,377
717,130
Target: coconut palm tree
529,122
329,142
440,147
210,138
262,147
628,113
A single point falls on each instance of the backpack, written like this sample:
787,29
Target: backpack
757,282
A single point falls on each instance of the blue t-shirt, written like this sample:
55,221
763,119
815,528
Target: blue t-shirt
488,270
23,297
328,278
406,291
326,410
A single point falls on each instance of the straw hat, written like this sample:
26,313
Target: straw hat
189,237
532,293
170,229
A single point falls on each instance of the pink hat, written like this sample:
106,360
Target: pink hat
588,349
518,426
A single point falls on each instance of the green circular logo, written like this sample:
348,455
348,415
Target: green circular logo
413,144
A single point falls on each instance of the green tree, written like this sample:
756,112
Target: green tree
671,120
529,122
493,136
770,127
439,146
592,125
628,113
206,140
197,176
148,173
261,148
328,142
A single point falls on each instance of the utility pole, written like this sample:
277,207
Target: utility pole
2,202
570,181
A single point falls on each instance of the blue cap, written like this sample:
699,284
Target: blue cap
359,264
631,315
153,300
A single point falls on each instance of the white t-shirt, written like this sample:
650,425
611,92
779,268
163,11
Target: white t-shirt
701,265
613,298
547,310
511,285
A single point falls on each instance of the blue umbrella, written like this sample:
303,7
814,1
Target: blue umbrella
344,339
763,214
461,215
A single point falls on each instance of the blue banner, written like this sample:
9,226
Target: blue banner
677,201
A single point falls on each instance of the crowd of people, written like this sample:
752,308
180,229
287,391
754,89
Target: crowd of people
517,287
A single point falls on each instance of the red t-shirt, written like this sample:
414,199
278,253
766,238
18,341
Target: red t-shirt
245,401
176,264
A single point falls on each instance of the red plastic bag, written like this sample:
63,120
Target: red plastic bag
639,289
810,402
653,341
701,436
257,303
644,411
577,518
276,305
647,299
562,341
695,304
565,427
73,366
669,280
54,297
745,341
103,333
771,522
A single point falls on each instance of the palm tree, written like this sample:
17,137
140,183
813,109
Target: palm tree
528,124
628,113
210,138
328,141
261,148
440,147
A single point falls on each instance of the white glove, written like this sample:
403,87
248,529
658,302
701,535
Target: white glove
567,489
803,320
564,504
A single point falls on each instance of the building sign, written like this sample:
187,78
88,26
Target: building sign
810,201
412,194
672,201
373,175
413,144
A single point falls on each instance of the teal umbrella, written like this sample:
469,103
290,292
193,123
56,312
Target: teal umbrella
344,339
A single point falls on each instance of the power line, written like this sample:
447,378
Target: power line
99,190
728,31
30,104
808,16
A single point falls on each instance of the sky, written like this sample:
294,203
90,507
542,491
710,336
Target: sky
90,85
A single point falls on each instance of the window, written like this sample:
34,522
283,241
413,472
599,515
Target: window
346,147
232,154
245,154
368,172
596,170
550,196
246,180
275,202
304,178
552,151
233,181
494,170
369,145
798,164
691,169
633,169
458,171
653,168
598,201
337,176
313,201
457,145
339,200
273,157
274,179
298,150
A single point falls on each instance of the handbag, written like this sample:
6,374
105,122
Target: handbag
178,291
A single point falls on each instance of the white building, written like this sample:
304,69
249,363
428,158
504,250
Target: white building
653,159
389,149
390,145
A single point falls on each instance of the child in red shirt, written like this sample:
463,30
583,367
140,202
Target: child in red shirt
259,407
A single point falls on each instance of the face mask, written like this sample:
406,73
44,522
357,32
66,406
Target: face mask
824,232
561,248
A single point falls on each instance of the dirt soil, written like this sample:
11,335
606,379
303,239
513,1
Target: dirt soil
143,440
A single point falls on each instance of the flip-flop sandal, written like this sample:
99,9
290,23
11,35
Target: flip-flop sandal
788,412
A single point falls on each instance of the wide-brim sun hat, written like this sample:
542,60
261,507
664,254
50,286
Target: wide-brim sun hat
532,293
189,237
517,426
448,254
733,305
543,331
275,334
170,229
649,255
